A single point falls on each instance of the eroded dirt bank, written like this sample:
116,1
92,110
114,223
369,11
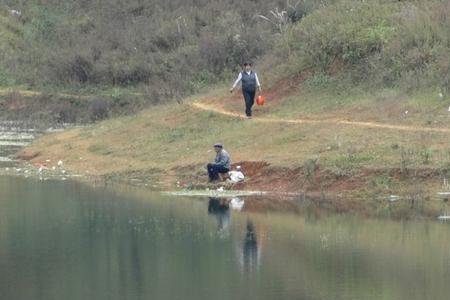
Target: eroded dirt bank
371,192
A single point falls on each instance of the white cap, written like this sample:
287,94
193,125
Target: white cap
238,167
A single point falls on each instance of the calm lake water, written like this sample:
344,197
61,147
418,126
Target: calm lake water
66,240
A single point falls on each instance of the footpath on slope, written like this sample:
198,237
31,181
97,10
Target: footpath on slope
219,110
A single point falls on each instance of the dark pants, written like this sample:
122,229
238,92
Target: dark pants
214,170
249,98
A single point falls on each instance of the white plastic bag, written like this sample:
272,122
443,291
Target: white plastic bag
236,176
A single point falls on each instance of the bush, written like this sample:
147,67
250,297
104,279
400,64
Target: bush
353,31
347,164
378,43
173,48
177,45
98,109
74,43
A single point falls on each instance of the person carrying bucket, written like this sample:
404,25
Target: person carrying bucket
250,82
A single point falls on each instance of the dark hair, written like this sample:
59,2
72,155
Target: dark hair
247,64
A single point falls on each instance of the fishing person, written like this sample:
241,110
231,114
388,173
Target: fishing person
250,83
221,164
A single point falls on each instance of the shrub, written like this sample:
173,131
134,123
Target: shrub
347,164
378,43
178,44
173,48
353,31
98,110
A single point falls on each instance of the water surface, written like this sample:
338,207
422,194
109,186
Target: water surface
66,240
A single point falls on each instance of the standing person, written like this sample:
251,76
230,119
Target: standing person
250,82
221,164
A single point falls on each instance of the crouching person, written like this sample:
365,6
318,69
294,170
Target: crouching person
221,164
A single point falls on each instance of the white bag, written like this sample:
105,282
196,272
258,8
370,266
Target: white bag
236,176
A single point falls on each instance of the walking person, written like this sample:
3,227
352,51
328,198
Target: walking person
250,83
221,164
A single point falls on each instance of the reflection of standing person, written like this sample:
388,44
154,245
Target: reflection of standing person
250,82
250,252
221,209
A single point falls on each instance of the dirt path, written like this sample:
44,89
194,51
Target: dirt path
219,110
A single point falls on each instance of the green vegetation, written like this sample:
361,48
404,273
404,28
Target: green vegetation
377,43
380,62
168,49
123,56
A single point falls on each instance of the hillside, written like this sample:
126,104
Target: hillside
357,106
162,51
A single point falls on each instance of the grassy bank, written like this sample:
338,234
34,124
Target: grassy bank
171,143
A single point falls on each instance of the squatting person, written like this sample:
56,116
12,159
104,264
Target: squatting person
221,164
250,82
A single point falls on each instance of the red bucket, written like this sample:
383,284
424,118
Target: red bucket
260,100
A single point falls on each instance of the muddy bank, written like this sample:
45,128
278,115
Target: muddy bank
265,177
394,193
390,192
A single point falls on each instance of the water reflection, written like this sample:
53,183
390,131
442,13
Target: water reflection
220,208
69,241
237,204
251,253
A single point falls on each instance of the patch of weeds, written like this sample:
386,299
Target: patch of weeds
101,149
426,156
291,138
405,160
347,165
444,170
384,182
116,94
319,80
309,167
174,135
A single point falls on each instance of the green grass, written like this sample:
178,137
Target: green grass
176,135
345,165
101,149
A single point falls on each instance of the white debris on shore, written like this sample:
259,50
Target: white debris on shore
213,193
